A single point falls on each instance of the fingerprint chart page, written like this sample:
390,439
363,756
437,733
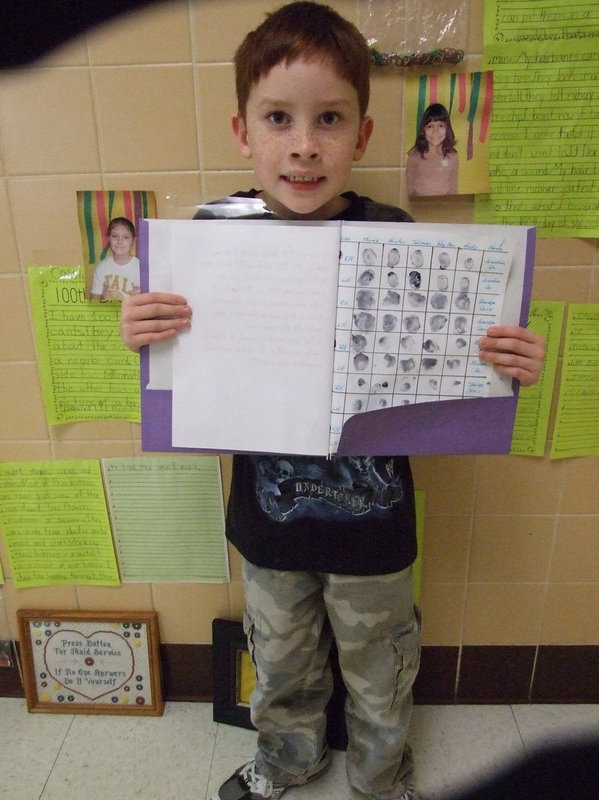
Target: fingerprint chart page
410,311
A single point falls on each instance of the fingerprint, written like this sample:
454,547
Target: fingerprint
389,322
407,342
411,323
460,324
433,383
390,360
462,302
453,363
460,343
361,361
416,299
358,342
357,405
417,258
415,279
382,402
431,346
406,386
438,301
407,364
366,277
369,256
365,298
364,321
438,322
444,260
391,299
429,363
392,279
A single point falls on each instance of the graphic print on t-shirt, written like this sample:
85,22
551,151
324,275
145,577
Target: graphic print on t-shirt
289,488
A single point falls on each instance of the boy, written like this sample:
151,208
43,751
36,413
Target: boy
327,545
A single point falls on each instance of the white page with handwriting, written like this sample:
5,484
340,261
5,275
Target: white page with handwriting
254,372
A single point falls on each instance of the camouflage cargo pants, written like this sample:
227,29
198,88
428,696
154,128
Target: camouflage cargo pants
377,632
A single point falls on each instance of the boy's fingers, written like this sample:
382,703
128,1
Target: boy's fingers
155,305
513,339
515,351
152,317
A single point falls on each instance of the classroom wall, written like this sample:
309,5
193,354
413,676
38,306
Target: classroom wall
511,552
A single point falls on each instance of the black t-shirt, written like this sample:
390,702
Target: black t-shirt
349,515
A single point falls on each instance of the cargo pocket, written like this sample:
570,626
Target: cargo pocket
406,645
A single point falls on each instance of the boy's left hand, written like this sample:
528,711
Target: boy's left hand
518,352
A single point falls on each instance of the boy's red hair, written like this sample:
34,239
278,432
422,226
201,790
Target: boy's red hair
303,30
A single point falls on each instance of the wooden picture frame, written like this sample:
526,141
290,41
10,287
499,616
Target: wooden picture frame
91,662
231,662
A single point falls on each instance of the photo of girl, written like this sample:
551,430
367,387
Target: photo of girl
433,161
116,276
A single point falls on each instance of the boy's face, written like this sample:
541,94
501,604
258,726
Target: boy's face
303,130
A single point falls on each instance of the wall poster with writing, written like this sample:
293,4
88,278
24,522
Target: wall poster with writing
86,371
91,662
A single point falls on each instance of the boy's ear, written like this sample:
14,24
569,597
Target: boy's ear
240,134
364,134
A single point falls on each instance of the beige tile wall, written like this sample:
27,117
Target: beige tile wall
511,552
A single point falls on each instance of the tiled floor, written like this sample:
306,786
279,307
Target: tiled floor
184,755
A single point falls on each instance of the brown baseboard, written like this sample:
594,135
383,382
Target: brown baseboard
471,674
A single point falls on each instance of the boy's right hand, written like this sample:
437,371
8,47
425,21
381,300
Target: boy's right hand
152,317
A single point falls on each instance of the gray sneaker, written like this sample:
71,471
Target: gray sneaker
410,794
246,783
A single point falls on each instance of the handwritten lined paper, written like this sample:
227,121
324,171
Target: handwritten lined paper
544,157
55,523
534,402
86,371
576,431
168,518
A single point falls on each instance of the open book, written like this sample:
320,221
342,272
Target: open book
299,329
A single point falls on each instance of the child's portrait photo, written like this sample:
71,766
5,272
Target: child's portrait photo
447,135
107,221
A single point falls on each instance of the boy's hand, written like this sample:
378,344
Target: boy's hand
514,351
152,317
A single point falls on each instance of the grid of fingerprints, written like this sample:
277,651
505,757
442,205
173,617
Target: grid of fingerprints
408,320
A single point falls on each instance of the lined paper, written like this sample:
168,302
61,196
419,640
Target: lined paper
55,523
544,160
534,402
167,518
576,430
86,371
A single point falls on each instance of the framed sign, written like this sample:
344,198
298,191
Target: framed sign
91,662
